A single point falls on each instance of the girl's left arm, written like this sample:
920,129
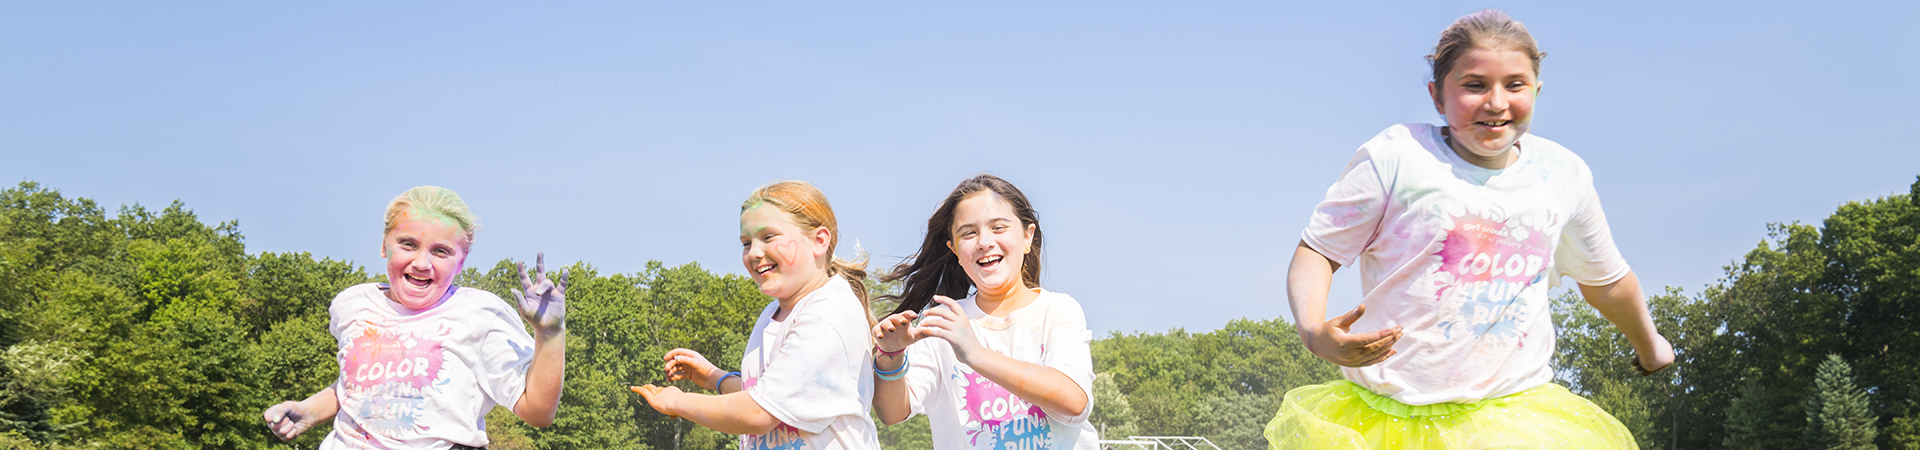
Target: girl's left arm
1046,387
544,304
1623,303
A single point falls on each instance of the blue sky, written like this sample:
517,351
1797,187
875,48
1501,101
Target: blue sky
1174,151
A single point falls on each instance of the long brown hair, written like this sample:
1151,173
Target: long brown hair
935,270
809,209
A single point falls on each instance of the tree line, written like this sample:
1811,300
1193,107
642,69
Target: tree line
154,329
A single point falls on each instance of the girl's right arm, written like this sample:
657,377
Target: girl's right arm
890,398
1309,278
289,419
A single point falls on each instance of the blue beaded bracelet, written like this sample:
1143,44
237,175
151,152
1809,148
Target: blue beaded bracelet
723,380
895,374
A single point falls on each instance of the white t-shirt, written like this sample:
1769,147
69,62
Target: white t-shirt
1462,257
424,379
968,411
813,371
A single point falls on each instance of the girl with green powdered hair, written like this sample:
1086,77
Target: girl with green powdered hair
422,361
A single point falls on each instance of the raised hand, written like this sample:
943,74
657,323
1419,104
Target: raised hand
1334,341
542,303
289,419
896,332
1660,359
684,364
949,322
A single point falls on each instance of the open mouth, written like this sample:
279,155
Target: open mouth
417,281
988,262
1494,123
766,269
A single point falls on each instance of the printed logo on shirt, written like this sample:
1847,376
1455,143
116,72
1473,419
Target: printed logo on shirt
1484,265
996,419
783,436
389,372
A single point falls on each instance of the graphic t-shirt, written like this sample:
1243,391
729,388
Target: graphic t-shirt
968,411
424,379
813,372
1462,257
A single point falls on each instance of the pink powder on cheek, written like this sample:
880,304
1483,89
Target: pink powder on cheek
789,252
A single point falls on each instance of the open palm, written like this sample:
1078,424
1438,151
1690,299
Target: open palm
541,302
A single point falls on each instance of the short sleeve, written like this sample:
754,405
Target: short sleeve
506,352
812,379
1347,219
924,372
1068,348
1586,251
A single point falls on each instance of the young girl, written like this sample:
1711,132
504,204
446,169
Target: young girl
802,383
1458,230
422,361
1010,367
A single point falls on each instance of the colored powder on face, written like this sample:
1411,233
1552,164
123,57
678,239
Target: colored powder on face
789,250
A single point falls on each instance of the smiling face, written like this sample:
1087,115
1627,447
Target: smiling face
786,261
1488,101
423,255
991,243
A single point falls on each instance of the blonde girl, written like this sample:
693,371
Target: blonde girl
1458,232
422,361
803,382
1006,367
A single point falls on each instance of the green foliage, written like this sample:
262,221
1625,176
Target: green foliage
1747,349
1904,434
1112,414
1224,384
1837,416
915,433
618,326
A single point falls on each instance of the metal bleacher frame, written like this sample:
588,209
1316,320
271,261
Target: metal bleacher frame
1159,443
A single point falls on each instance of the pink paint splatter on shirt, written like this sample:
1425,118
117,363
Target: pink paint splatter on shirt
375,358
1482,250
995,413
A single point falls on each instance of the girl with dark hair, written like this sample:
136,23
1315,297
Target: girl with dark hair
1009,365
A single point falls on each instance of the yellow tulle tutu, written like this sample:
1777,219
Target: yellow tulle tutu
1343,415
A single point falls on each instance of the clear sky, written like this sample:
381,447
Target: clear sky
1174,150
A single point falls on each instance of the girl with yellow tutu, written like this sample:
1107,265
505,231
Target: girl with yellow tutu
1459,230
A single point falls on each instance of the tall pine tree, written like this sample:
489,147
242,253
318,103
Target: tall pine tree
1837,415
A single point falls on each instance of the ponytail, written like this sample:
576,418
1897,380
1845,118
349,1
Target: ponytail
855,272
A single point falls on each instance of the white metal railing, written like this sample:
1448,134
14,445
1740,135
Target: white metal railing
1159,443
